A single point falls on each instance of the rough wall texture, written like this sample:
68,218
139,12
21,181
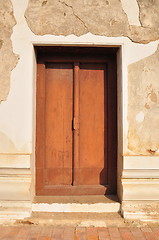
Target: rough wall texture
149,14
8,59
100,17
64,17
149,19
143,115
104,17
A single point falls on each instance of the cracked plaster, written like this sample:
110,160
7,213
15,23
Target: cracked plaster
149,20
65,17
61,17
8,59
149,14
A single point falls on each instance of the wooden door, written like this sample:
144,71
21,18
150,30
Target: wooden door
91,168
74,142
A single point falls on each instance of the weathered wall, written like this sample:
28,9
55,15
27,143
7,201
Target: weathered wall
64,17
104,17
64,22
143,115
8,59
59,17
149,16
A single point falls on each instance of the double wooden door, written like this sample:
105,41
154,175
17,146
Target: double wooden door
73,138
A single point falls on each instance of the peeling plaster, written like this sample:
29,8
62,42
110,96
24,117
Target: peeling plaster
143,134
61,23
62,2
19,104
149,14
7,21
61,17
142,34
149,19
116,18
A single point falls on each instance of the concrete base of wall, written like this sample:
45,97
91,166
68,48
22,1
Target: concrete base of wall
15,177
140,189
10,211
141,210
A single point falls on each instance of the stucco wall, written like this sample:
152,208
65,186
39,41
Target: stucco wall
131,24
143,114
104,18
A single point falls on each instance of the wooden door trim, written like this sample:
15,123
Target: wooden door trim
65,59
40,125
65,190
76,123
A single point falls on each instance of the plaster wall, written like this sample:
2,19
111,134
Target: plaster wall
32,23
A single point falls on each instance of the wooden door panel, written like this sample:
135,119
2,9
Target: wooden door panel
91,176
58,123
40,123
92,159
58,176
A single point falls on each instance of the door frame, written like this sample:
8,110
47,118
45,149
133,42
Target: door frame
121,108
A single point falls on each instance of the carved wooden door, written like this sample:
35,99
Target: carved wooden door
73,137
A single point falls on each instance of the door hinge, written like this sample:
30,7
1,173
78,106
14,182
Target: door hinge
75,123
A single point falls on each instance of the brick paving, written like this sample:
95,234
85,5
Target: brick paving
77,233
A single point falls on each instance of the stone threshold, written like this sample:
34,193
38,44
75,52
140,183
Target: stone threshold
98,204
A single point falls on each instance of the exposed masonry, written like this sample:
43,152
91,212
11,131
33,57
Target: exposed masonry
108,18
7,21
65,17
149,14
74,14
149,19
143,110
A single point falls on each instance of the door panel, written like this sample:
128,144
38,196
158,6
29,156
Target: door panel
58,124
92,125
